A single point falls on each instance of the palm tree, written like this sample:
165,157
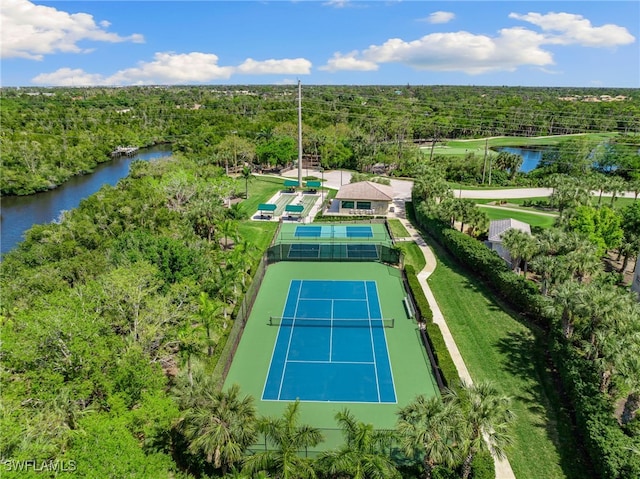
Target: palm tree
569,299
584,262
616,186
189,345
487,416
289,439
363,455
431,428
247,176
520,246
208,312
229,229
544,266
222,428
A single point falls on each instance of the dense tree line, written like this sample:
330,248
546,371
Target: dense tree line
593,322
113,318
101,310
49,135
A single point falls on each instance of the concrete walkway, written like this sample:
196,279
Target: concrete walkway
502,466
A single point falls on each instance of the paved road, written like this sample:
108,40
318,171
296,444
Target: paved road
402,188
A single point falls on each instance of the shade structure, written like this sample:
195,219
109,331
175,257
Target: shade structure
267,207
291,183
314,184
294,208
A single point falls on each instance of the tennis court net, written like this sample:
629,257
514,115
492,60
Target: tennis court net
332,323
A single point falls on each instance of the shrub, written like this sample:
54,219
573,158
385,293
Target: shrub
608,446
434,335
482,466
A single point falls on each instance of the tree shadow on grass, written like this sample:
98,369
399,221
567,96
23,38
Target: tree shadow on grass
527,358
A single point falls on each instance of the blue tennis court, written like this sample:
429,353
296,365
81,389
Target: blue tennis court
332,251
331,345
333,231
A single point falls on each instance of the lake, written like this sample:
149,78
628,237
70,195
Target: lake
530,156
19,213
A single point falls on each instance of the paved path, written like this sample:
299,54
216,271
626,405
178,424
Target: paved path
533,212
502,466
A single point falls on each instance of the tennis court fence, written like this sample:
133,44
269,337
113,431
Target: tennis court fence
336,252
241,315
332,439
332,323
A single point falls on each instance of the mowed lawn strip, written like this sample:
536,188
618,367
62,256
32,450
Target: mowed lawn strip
543,221
412,254
397,229
497,347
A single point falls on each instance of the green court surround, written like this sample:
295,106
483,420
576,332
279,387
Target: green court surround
410,366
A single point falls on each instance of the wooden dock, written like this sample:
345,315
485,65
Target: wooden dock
124,151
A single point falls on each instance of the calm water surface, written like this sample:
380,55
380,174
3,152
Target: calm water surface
19,213
530,157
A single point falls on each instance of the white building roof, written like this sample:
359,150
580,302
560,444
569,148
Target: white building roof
498,227
365,190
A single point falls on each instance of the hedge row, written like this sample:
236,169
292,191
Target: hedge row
521,293
607,445
434,334
424,310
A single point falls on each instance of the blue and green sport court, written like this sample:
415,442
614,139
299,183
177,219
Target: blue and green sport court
334,335
330,333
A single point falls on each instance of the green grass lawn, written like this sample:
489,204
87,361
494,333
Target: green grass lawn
261,189
412,255
479,144
397,229
512,201
543,221
497,346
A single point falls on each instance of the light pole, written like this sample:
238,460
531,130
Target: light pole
321,184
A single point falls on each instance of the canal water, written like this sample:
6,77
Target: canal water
19,213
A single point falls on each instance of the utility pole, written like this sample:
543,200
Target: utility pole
433,145
299,134
484,168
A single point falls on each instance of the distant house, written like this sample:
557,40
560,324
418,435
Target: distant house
635,283
497,228
364,198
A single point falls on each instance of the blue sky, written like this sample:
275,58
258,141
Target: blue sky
74,43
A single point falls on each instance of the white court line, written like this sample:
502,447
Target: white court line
311,361
293,323
275,343
386,344
373,346
331,334
333,299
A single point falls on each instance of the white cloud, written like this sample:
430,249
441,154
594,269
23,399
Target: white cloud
337,3
507,50
69,77
348,62
575,29
168,68
300,66
440,17
463,51
32,31
173,68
